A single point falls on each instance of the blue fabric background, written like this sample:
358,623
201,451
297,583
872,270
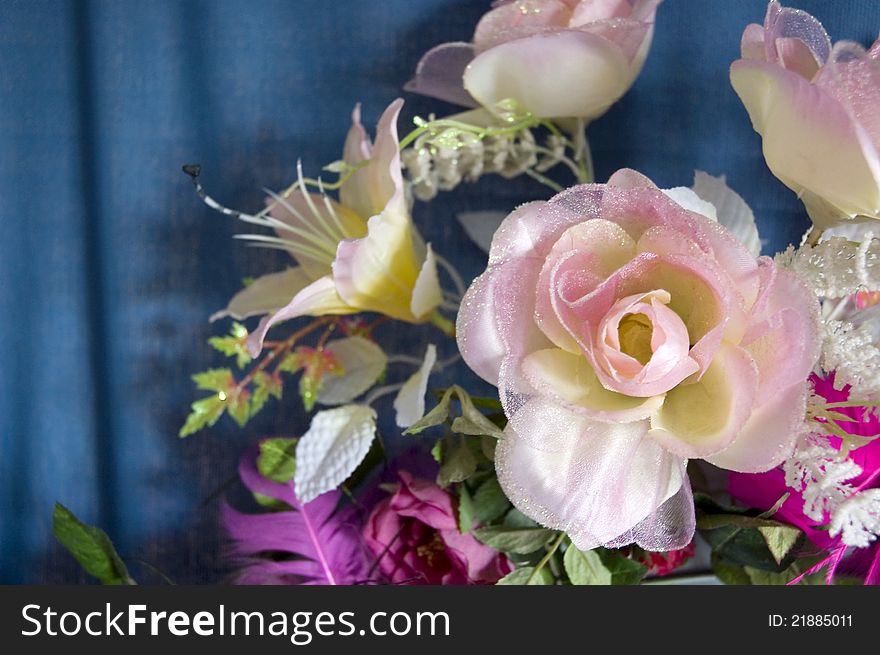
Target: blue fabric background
109,265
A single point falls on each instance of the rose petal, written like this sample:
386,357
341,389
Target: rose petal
570,378
703,418
519,19
265,294
768,437
810,141
495,318
566,74
601,247
602,481
790,23
439,74
783,334
752,43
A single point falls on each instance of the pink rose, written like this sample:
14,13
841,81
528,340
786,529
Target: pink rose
815,107
415,536
557,58
626,335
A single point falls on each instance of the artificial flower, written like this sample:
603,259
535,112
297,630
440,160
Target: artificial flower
416,539
318,542
628,334
661,564
362,253
556,58
807,505
815,107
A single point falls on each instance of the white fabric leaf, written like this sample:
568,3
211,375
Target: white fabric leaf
427,293
689,199
732,211
481,226
336,442
410,401
362,362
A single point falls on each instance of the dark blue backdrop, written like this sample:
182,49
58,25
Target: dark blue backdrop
109,266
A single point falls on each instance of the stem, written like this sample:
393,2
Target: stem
546,181
582,154
479,132
282,347
446,326
813,236
553,547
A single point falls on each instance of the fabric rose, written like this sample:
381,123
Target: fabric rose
816,109
416,540
556,58
626,335
362,253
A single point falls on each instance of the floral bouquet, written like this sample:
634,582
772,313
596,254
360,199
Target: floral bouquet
661,387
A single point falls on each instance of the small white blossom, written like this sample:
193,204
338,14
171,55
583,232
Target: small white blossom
817,470
851,352
857,519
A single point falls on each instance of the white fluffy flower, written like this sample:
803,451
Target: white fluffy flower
857,519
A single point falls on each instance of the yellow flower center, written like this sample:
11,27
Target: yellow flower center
634,332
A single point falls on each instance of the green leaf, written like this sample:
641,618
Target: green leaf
215,379
90,546
458,463
514,540
265,386
437,416
471,422
234,345
714,521
729,573
746,547
205,413
437,451
465,510
490,501
484,402
585,568
277,459
516,519
238,407
523,575
624,571
270,503
781,539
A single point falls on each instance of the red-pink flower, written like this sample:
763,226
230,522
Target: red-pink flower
665,563
416,539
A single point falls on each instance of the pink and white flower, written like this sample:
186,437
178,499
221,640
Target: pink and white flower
816,108
556,58
628,334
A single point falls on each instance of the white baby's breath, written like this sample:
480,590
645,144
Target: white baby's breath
857,519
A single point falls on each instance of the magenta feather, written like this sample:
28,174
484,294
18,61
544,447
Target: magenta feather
313,543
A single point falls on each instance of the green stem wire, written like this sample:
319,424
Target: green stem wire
553,548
